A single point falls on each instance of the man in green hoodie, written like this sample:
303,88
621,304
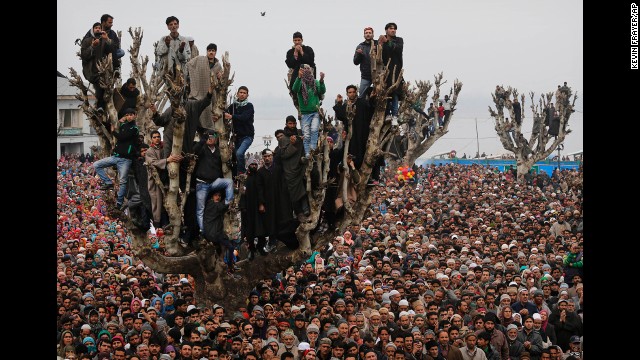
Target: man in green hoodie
309,91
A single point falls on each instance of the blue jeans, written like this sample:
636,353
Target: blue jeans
118,53
202,191
310,126
123,166
364,85
242,145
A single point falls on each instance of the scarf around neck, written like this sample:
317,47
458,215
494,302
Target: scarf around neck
308,81
241,103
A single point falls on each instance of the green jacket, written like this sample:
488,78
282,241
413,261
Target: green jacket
314,98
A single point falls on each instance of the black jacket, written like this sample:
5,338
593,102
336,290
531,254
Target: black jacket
564,330
130,99
518,112
392,49
127,138
209,165
242,119
364,59
213,220
361,126
293,63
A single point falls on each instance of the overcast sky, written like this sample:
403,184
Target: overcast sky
530,45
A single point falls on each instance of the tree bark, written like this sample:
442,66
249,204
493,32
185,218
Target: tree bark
151,91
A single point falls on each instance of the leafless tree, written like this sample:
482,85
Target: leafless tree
540,144
203,260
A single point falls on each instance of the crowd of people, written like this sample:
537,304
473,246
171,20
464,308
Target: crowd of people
457,262
461,261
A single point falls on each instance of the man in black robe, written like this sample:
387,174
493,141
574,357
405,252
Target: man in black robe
267,197
293,166
252,223
517,110
285,222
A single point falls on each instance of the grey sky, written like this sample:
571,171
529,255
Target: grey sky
530,45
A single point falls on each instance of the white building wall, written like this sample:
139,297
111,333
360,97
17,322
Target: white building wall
74,141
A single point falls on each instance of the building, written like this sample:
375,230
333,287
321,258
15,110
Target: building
75,134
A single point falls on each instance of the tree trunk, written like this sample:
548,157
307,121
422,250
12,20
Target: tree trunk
523,166
222,126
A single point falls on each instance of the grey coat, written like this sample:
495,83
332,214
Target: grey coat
167,56
293,167
536,343
90,56
155,158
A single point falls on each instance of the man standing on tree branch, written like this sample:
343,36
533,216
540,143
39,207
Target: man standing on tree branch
299,54
362,57
392,47
172,49
241,115
123,153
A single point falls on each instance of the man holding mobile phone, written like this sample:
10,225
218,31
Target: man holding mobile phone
93,49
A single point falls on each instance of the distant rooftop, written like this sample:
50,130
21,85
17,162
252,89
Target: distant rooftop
64,88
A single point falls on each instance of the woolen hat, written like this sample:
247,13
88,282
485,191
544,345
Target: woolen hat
313,327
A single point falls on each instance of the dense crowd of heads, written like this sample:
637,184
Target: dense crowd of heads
457,250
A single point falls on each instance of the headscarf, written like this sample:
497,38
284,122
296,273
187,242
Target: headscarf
90,349
545,322
155,300
505,320
168,307
135,300
308,81
359,341
62,347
